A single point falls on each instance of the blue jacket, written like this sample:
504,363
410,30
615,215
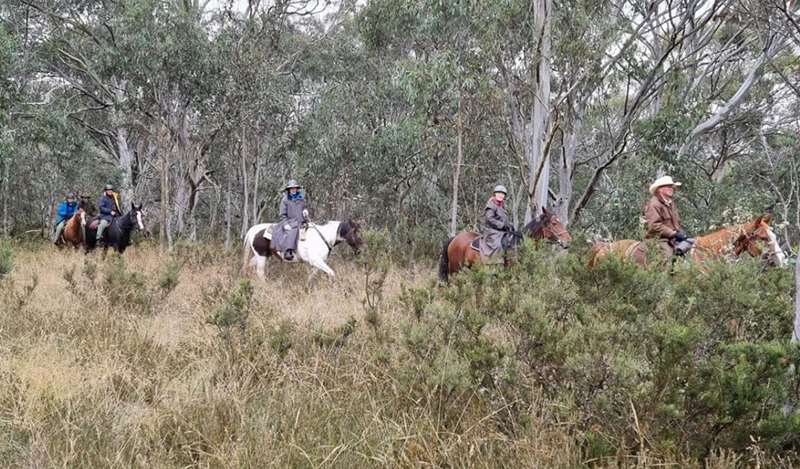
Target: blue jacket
106,204
66,210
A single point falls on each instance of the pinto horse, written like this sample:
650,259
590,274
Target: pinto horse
118,233
73,233
725,242
458,253
314,246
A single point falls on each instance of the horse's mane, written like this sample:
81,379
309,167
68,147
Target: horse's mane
724,234
537,223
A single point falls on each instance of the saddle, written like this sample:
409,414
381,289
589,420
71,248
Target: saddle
303,231
93,224
507,242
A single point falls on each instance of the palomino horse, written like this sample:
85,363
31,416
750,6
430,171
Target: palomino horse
314,246
730,240
73,233
118,233
458,253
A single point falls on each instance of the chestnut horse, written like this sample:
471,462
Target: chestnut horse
730,240
458,253
75,229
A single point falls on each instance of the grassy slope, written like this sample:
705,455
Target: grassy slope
148,382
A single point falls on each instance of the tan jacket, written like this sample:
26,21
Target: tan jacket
661,218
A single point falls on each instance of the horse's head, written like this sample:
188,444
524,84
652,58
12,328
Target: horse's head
758,230
548,226
137,216
349,231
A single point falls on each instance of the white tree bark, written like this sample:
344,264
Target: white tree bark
775,44
457,169
796,334
538,161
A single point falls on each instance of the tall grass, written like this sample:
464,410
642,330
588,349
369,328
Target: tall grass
175,361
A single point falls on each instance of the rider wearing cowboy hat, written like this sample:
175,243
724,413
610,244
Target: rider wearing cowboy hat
65,211
661,215
109,208
292,215
496,223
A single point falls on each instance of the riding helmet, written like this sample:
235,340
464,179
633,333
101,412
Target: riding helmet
500,188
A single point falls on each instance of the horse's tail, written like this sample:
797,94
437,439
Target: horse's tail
444,261
247,246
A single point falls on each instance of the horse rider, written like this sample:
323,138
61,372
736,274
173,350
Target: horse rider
66,209
109,208
661,216
292,216
496,223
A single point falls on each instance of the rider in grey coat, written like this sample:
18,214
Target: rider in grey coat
292,215
496,223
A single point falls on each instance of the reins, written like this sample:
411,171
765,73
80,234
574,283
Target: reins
327,244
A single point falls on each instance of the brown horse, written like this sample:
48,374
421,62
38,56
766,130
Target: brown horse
730,240
75,229
457,252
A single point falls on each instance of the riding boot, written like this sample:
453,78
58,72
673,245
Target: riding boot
288,255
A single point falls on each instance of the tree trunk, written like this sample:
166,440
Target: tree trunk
457,169
538,162
255,190
796,334
125,158
245,188
228,216
164,183
6,194
566,164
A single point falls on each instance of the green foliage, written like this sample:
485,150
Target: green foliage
125,290
377,261
169,277
6,259
702,356
235,309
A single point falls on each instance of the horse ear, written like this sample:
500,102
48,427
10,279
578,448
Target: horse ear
767,218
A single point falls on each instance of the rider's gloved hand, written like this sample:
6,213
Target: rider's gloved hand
287,227
305,213
680,236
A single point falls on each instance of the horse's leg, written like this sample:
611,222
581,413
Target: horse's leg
261,263
321,265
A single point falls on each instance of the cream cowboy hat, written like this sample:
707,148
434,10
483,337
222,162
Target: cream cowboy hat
663,181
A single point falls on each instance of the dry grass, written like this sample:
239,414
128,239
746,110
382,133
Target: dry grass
88,383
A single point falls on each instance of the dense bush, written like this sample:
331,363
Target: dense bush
692,360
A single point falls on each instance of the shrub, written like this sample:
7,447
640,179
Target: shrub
6,259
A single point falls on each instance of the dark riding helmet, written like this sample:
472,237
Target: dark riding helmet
500,188
292,184
108,187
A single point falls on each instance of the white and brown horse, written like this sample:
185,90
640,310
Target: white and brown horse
314,246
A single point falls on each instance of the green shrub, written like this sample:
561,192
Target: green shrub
6,259
126,291
169,277
235,309
700,356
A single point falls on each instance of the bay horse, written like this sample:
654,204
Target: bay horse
457,252
731,240
74,230
118,233
313,248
